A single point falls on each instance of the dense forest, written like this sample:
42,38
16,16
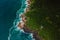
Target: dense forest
44,17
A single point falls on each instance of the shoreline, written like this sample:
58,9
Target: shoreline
18,14
22,12
25,11
27,29
27,2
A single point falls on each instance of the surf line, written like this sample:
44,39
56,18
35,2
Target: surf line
24,9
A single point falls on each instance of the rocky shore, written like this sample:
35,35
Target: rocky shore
23,25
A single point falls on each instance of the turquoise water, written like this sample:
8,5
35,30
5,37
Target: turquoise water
9,16
8,9
16,33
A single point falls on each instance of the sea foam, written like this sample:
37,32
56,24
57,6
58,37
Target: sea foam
15,31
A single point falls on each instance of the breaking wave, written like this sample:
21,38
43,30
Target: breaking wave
14,32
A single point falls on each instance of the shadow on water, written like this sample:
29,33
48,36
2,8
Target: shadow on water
8,10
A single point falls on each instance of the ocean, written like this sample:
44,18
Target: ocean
8,9
9,17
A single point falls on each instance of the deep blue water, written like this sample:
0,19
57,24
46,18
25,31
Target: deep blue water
8,9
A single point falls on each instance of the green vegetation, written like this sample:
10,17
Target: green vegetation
44,16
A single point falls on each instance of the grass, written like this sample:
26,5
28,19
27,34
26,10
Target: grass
44,20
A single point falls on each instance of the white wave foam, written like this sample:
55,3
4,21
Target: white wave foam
19,19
